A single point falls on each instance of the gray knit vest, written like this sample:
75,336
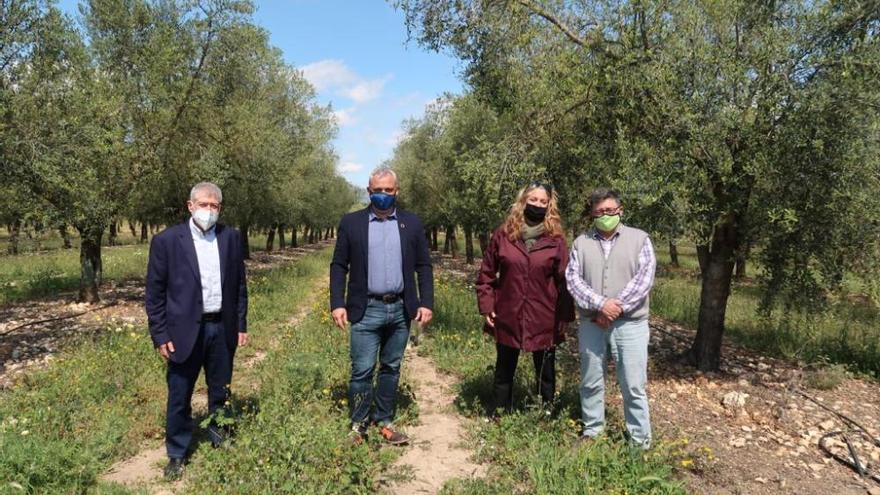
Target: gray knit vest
609,276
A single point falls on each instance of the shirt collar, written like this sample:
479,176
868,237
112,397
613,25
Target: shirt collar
594,234
198,232
391,216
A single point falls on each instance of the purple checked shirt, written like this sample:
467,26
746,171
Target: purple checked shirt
635,291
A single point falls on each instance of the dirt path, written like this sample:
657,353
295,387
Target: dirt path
436,454
144,469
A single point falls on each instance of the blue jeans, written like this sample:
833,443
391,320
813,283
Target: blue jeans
383,331
212,353
628,341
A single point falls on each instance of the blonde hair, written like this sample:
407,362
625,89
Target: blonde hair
516,218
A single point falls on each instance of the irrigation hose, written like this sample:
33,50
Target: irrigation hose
57,318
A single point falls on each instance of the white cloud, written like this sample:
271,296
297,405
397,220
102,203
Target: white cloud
328,74
345,117
350,167
334,75
367,90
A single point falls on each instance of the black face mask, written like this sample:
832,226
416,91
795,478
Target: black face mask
534,213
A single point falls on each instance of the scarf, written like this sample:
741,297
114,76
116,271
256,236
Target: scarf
531,233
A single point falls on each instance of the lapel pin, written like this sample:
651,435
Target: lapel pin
403,225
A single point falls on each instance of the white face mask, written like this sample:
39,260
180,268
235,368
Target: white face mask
205,218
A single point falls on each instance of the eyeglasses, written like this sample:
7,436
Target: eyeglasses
606,211
545,185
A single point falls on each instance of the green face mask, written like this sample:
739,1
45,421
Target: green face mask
606,223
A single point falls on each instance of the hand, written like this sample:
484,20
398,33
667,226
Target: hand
340,317
424,316
602,321
490,319
611,309
242,339
166,350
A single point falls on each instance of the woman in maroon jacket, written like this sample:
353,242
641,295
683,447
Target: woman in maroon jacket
522,294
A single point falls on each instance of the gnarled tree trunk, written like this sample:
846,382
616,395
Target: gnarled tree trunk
91,269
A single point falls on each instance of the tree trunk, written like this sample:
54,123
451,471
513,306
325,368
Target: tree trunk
144,232
294,242
270,240
742,257
483,238
446,243
673,253
703,256
716,277
245,242
14,232
90,264
435,232
469,246
453,242
281,236
132,228
65,236
111,238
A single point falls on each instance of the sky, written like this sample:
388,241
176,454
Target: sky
356,54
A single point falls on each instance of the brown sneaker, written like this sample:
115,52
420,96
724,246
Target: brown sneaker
357,435
392,436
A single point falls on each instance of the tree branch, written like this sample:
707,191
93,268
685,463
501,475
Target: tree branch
552,19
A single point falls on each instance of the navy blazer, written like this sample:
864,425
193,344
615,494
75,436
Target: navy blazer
350,258
174,288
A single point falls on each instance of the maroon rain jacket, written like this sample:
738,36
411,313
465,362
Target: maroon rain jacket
526,290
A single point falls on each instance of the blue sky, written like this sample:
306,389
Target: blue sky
356,54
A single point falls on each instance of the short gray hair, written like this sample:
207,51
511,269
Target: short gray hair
383,171
208,187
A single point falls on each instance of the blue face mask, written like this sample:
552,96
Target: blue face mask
382,201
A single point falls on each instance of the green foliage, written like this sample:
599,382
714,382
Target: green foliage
734,126
119,121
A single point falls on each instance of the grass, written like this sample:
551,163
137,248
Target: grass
291,437
847,333
529,452
47,273
62,427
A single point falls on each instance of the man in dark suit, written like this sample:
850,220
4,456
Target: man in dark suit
380,249
196,302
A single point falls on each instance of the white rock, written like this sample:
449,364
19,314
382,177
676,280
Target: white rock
734,399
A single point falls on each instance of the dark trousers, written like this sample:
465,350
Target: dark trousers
211,353
505,368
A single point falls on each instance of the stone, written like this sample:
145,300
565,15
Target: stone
734,399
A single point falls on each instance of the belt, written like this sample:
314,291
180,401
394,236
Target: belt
212,317
386,298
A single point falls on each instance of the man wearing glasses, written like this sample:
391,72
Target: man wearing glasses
196,301
610,274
